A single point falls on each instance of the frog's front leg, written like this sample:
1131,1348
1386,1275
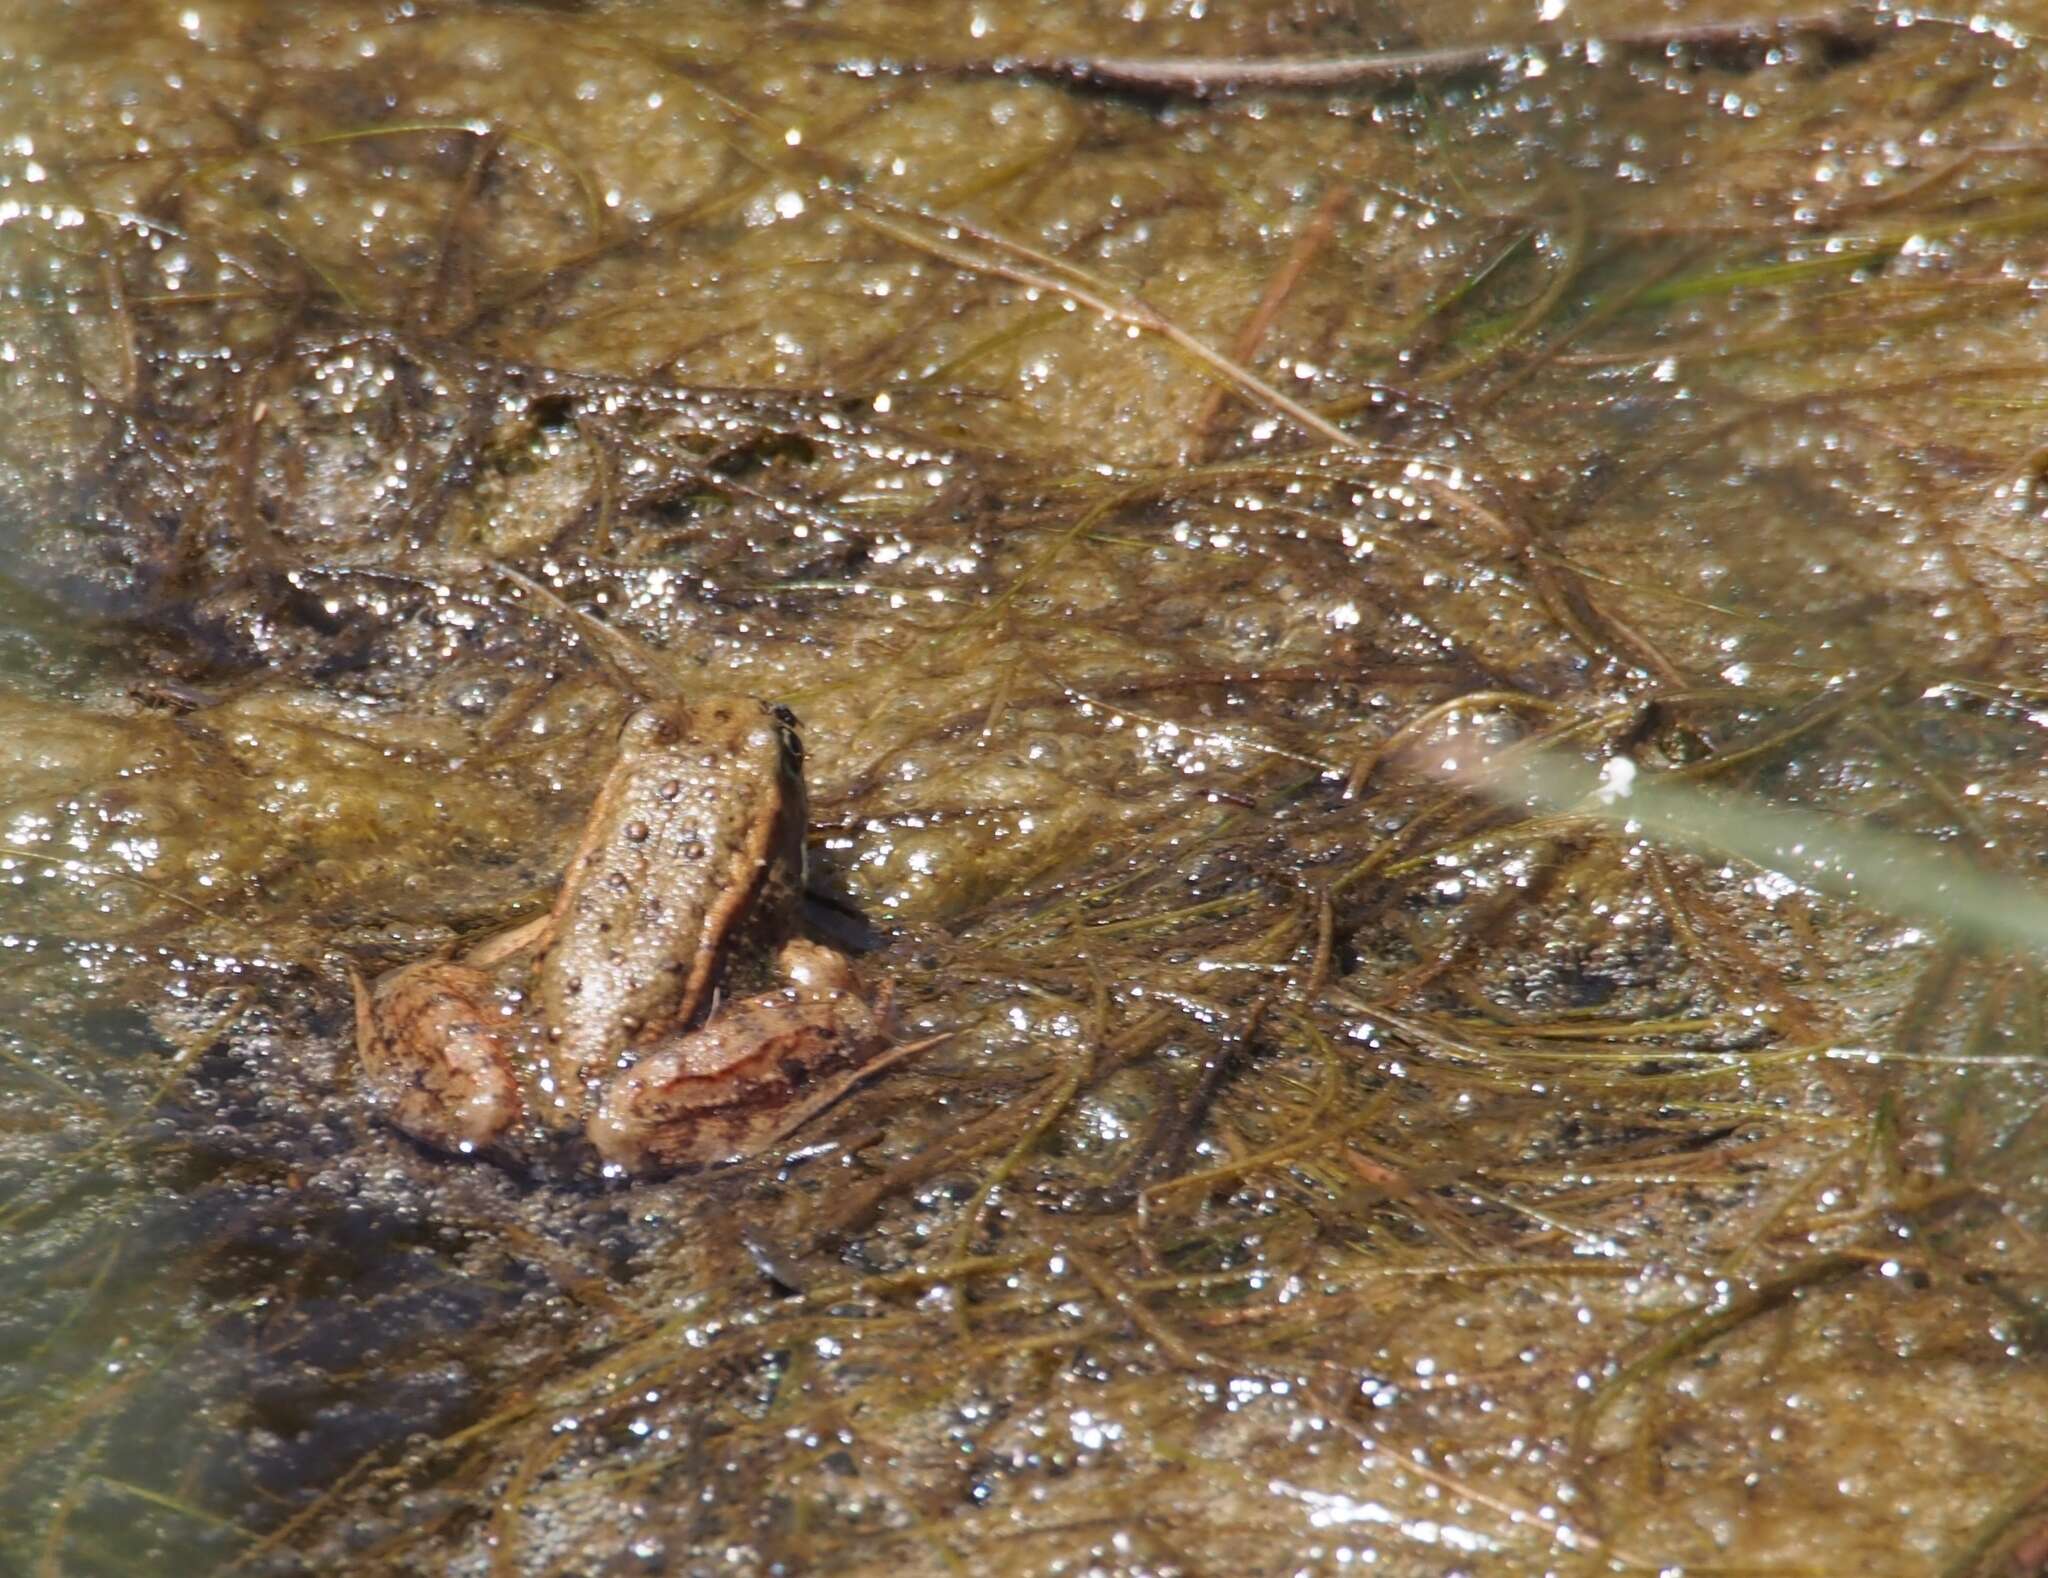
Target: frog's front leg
750,1076
435,1062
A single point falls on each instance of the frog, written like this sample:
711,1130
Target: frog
614,1015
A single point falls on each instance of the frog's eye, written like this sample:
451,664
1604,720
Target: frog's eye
648,724
792,740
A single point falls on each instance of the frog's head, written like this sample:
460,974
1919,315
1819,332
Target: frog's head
795,795
652,726
792,739
749,736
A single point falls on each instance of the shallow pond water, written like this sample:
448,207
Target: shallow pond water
1431,677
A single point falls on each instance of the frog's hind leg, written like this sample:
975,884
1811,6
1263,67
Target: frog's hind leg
436,1068
743,1083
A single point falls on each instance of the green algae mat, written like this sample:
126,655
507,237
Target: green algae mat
1419,637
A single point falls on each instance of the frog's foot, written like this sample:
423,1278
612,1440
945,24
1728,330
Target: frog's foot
758,1070
435,1066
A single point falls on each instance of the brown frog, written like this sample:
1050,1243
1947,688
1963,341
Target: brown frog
604,1015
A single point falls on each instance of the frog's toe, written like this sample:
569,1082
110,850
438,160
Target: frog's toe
656,1117
458,1105
814,968
437,1069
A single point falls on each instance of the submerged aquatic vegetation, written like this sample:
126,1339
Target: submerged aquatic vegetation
1367,656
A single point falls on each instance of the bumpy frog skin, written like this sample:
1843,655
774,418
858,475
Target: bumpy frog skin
603,1015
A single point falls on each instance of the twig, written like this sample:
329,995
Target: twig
1203,78
1165,1150
1314,237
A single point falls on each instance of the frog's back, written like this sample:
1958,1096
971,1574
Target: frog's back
696,838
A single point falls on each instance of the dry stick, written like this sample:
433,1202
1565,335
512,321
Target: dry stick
1119,1296
1166,1151
1726,955
232,512
1314,237
1294,674
1774,1294
1049,1112
669,474
1520,899
440,288
1200,78
1326,948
